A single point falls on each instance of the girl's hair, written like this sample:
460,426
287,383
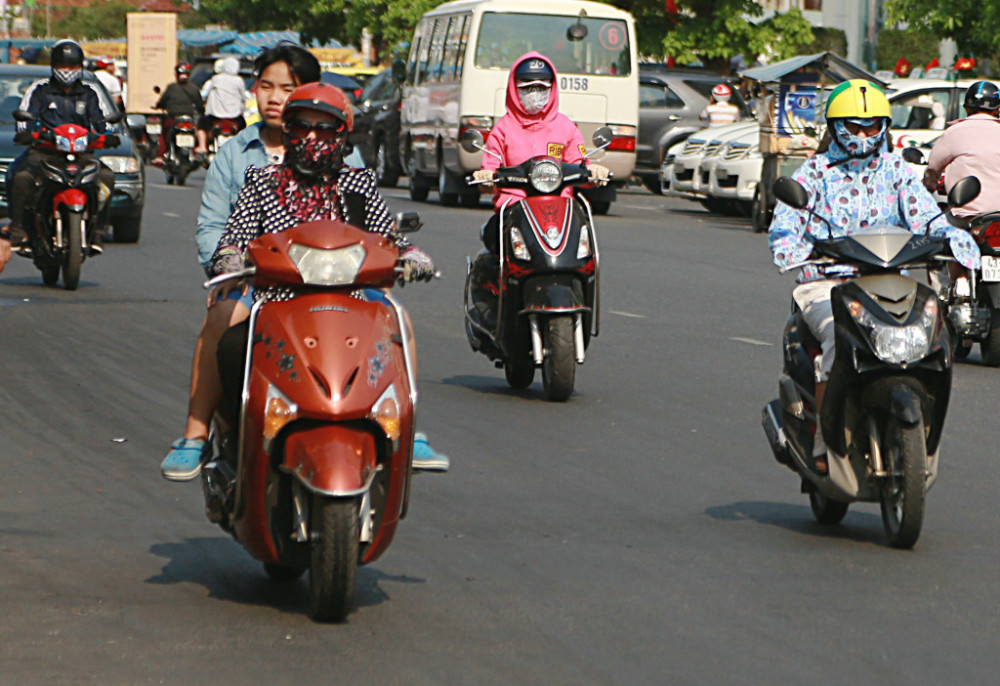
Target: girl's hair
302,63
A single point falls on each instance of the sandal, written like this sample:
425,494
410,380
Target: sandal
184,460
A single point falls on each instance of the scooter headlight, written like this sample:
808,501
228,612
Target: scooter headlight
321,267
278,411
546,177
518,245
902,345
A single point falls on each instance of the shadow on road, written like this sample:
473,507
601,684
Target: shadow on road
229,574
860,527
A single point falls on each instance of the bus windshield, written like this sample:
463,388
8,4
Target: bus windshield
503,37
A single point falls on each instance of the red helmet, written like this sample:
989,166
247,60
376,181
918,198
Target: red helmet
721,90
102,63
324,98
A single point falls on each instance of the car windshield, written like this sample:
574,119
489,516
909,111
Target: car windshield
505,37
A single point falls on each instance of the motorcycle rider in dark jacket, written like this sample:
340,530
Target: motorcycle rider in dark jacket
63,98
180,97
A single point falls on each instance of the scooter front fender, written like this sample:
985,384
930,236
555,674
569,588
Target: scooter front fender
553,293
333,459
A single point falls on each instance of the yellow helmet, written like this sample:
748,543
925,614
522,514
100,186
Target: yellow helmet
857,98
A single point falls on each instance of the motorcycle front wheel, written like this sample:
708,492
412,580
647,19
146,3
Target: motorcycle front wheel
904,488
559,365
74,251
334,551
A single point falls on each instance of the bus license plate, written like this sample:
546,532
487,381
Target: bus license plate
185,140
991,268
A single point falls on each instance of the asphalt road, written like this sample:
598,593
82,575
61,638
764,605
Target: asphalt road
640,533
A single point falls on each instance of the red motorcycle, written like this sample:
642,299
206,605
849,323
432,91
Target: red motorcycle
314,474
222,130
68,203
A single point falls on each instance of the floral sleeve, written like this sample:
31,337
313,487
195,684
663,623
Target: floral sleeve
920,209
787,234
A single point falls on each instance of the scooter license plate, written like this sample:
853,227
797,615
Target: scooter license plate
156,129
185,140
991,268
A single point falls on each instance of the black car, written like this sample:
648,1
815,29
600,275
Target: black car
130,177
670,100
376,127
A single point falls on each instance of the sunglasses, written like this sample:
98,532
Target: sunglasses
325,131
872,129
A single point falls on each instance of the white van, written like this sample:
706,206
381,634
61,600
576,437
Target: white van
456,78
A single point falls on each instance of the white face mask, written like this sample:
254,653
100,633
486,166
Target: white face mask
533,100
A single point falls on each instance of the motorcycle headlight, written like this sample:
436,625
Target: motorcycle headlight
546,177
518,245
320,267
64,144
900,345
121,164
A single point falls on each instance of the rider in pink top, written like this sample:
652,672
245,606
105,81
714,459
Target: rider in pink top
532,126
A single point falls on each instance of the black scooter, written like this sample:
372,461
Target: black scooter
887,394
535,302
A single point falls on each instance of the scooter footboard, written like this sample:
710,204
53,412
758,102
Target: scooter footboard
333,459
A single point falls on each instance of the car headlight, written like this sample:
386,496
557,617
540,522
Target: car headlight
320,267
546,177
900,345
121,164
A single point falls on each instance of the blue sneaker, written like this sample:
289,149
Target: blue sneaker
425,458
184,460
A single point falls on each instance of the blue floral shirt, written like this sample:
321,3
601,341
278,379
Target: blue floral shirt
854,194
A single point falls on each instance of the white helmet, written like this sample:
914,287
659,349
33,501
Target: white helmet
722,92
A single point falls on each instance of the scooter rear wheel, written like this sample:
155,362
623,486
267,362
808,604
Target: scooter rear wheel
519,373
334,548
827,512
50,274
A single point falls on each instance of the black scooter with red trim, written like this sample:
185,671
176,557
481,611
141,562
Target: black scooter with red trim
534,303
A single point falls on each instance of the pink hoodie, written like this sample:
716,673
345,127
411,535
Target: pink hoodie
519,135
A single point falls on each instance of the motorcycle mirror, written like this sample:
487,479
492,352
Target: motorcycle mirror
472,140
603,137
115,118
964,192
913,156
398,70
577,32
24,115
408,222
791,192
156,89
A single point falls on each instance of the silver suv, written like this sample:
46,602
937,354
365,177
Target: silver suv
670,101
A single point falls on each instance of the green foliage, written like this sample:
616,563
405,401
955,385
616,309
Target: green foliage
918,47
827,39
971,23
99,19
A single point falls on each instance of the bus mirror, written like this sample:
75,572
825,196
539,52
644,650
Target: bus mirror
602,137
398,70
472,140
577,32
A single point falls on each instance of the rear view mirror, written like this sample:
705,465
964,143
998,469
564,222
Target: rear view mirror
913,156
602,137
577,32
24,115
408,222
472,140
964,192
791,192
398,70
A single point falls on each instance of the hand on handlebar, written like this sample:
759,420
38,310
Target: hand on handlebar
599,174
415,265
485,177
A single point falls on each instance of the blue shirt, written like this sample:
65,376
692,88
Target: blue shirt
224,181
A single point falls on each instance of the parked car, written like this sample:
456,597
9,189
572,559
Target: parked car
685,181
737,172
348,84
670,102
130,178
376,127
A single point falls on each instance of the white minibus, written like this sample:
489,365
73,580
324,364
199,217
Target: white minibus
456,78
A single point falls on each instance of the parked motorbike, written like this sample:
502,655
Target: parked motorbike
221,131
145,131
68,205
180,159
314,472
538,305
886,398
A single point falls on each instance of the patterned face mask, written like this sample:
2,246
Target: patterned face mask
854,144
313,157
67,77
533,99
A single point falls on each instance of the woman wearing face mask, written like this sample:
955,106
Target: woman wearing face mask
532,126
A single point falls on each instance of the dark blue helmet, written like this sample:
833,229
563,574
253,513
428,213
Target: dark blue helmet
532,69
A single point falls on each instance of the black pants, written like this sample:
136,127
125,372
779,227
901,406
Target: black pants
231,356
23,190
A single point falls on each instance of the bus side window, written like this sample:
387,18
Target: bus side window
436,49
423,66
411,67
452,38
463,41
